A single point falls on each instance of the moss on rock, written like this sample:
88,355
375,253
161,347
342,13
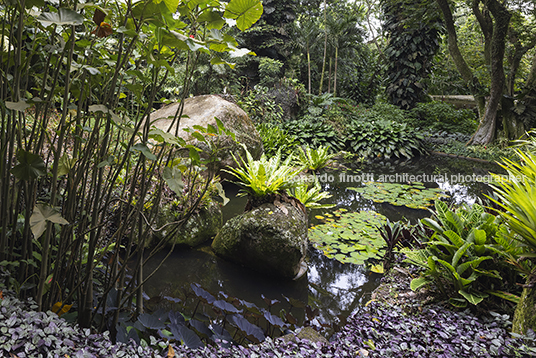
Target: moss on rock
202,226
270,239
525,314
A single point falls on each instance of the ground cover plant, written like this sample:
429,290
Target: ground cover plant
375,331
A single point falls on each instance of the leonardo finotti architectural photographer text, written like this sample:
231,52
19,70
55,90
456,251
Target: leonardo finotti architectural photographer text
406,178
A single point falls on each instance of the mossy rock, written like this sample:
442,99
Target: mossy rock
202,226
270,239
525,314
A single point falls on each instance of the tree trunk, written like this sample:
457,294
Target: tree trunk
329,75
335,74
325,51
457,57
486,131
309,69
486,24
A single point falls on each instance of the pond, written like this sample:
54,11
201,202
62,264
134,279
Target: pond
335,288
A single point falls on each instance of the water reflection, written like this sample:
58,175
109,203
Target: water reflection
334,287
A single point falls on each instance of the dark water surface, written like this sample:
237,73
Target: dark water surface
333,287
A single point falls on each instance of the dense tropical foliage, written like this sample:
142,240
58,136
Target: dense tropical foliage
84,174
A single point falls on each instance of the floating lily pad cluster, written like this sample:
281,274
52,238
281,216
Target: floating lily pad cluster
414,195
349,237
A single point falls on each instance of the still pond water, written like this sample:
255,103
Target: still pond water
333,287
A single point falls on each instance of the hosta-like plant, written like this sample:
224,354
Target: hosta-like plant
458,257
314,159
260,178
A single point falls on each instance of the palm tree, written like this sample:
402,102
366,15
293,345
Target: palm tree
344,34
306,33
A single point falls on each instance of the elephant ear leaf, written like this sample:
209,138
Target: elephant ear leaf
42,213
62,17
246,12
30,166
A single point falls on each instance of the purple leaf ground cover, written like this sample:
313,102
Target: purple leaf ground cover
375,331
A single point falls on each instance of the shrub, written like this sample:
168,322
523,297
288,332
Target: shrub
260,178
383,138
314,159
260,107
462,254
441,116
314,132
275,139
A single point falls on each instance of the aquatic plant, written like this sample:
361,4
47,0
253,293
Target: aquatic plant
396,236
349,237
414,195
260,178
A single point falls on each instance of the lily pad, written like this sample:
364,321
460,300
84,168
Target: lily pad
414,195
351,238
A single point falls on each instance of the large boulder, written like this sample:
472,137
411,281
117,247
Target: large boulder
270,238
202,110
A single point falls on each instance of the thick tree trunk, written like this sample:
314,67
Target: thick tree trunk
486,131
457,57
486,24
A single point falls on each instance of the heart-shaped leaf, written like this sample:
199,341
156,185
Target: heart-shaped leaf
246,12
30,166
62,17
43,213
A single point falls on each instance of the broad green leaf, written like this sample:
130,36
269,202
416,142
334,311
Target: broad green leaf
212,19
30,166
460,252
170,4
505,295
62,17
173,178
471,298
377,268
480,237
141,147
418,282
454,238
66,164
246,12
20,106
43,213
